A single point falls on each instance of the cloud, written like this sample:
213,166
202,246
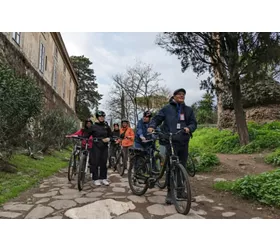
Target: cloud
112,53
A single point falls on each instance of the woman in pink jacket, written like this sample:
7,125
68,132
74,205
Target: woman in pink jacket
81,132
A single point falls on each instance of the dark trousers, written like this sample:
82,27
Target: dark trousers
99,155
182,151
125,155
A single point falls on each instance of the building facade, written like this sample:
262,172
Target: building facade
43,56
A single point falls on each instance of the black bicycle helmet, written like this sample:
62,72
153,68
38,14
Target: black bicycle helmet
99,113
147,114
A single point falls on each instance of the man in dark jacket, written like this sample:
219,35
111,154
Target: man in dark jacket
175,116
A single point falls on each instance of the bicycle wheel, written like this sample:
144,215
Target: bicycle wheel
137,175
120,164
82,174
191,166
70,168
162,181
180,189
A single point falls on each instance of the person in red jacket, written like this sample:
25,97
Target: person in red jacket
88,123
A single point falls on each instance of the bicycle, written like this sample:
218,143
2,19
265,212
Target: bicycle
179,183
191,164
83,163
142,162
114,152
74,159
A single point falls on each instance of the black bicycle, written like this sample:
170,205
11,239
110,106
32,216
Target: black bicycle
74,160
178,177
115,149
117,161
145,167
83,165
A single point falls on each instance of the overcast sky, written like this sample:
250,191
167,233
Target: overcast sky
111,53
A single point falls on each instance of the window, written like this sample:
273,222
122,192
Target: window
42,58
54,83
46,62
16,37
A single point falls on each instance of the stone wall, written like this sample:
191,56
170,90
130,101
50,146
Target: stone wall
13,57
259,114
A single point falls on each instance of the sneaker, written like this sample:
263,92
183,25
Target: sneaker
168,199
97,183
105,182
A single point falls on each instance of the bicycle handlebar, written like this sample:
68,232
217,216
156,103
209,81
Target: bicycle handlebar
169,134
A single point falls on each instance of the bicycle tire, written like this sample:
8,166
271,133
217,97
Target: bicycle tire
120,165
82,174
179,168
191,166
131,177
70,168
162,175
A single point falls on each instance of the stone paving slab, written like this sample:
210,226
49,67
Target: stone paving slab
57,198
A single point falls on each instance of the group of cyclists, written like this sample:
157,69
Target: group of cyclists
174,116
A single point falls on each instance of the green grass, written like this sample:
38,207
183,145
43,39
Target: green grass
223,185
30,172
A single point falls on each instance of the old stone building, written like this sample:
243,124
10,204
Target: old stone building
42,56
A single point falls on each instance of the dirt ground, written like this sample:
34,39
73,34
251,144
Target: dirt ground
232,167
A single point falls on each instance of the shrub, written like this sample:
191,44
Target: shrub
20,100
51,128
206,162
262,137
264,187
273,158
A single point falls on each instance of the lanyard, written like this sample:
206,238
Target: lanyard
179,110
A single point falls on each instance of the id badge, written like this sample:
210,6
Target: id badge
182,117
178,126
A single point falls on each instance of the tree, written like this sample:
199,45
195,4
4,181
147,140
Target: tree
119,105
155,102
87,95
237,58
205,110
138,81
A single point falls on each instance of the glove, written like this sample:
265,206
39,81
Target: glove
106,140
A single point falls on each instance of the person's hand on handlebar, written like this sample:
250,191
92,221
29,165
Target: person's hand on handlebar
106,140
151,130
70,136
143,138
187,130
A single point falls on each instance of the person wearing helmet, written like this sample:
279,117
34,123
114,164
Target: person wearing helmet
101,133
83,132
175,116
127,136
141,129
